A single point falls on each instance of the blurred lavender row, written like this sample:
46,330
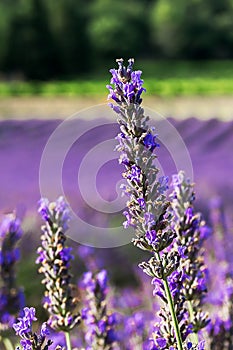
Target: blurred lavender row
22,142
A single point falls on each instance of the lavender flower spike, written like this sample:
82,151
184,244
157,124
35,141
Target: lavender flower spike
30,340
11,296
191,232
55,257
100,334
148,209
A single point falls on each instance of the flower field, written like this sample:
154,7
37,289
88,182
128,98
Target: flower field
173,289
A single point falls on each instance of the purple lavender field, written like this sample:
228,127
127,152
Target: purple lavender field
22,143
122,297
131,309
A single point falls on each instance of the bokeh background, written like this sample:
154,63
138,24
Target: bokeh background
63,39
54,61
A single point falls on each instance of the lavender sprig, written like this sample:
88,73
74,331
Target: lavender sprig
11,296
100,334
147,206
191,233
136,327
55,257
29,339
220,329
220,230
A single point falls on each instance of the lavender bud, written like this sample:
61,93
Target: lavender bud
55,258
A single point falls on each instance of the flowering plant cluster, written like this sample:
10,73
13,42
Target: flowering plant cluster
99,323
168,228
148,209
182,307
55,257
11,296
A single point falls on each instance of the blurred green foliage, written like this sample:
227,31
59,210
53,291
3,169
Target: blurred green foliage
116,28
43,40
194,28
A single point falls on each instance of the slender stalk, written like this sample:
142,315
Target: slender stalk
193,336
68,342
172,311
173,314
7,344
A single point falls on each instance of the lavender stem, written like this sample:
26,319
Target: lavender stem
172,310
193,336
68,342
7,344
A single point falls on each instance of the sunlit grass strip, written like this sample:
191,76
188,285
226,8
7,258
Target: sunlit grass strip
163,87
189,87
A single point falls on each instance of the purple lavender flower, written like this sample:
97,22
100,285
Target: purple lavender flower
124,159
44,209
11,296
129,220
100,333
127,84
55,212
30,340
55,257
135,329
142,203
199,346
150,142
163,182
135,173
148,210
149,219
151,236
24,324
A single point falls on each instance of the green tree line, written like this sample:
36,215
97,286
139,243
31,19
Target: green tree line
64,38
